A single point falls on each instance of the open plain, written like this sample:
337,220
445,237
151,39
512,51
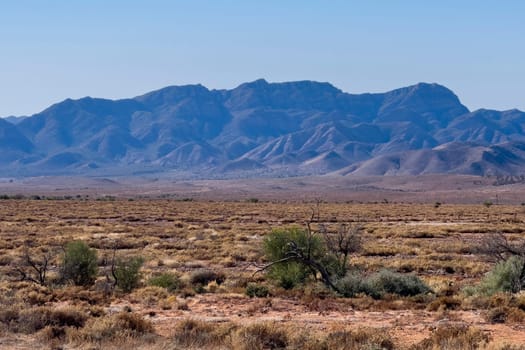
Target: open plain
189,234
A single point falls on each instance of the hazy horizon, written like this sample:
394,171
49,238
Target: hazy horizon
121,49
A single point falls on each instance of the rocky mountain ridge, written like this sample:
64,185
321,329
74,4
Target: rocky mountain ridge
265,129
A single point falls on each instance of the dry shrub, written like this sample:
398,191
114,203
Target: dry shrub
516,315
191,333
444,303
150,295
81,295
497,315
500,299
505,347
9,314
260,336
204,276
31,320
362,338
476,302
118,326
504,314
33,294
309,341
454,337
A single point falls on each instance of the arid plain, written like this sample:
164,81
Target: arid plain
428,226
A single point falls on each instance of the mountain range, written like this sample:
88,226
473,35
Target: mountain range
265,129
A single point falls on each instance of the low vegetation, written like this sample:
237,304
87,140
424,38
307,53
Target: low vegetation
259,275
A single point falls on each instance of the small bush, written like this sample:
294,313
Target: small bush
444,303
289,275
497,315
276,247
32,320
504,277
381,283
453,337
257,290
167,280
364,338
260,336
351,285
205,276
127,273
395,283
192,333
79,264
118,326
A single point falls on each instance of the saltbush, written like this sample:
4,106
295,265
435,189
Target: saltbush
389,282
504,277
381,283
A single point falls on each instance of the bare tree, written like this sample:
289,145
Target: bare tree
498,247
33,268
345,241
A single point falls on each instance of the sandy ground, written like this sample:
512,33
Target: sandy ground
406,326
425,188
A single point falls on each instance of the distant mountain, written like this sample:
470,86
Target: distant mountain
265,129
14,120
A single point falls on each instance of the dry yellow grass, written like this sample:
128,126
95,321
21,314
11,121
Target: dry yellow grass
184,237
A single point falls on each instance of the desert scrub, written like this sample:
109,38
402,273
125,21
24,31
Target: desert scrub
259,336
167,280
506,276
20,319
454,337
382,283
201,278
127,273
257,290
79,264
191,333
290,273
363,338
108,328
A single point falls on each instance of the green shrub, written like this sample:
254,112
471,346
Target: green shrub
79,264
386,281
277,246
351,285
127,273
166,280
288,275
381,283
257,290
504,277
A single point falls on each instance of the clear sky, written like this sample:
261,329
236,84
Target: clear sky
55,49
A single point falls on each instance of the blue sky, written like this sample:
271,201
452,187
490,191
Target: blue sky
55,49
